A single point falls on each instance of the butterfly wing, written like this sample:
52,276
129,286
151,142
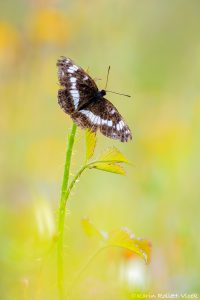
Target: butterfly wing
78,98
103,115
78,86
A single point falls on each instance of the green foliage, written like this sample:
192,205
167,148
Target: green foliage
109,161
90,229
122,238
109,167
90,144
113,154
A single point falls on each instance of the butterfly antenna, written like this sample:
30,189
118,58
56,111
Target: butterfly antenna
107,77
118,93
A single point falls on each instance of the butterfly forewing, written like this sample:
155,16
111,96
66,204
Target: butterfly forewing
79,87
81,99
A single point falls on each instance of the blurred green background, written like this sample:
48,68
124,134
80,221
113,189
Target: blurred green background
153,48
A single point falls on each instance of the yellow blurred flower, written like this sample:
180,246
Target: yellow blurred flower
10,43
50,26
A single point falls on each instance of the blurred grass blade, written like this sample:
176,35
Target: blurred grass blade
109,167
125,238
113,154
90,143
90,230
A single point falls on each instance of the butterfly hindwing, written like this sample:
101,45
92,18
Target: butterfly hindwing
104,116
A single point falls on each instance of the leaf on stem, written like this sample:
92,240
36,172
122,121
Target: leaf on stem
110,161
113,168
113,154
124,238
90,143
91,230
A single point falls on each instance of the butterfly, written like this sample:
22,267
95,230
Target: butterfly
81,99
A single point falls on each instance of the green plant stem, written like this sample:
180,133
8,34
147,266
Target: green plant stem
62,212
65,192
78,174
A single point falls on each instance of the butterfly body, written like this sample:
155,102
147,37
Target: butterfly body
85,103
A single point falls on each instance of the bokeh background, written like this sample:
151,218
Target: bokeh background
153,48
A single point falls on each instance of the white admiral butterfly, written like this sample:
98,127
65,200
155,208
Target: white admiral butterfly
86,105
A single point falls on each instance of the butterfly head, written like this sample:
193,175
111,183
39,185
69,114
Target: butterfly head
101,93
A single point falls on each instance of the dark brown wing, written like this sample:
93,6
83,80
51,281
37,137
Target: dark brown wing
104,116
78,86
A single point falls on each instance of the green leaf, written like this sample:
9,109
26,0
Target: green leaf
90,143
90,229
110,161
113,155
124,238
109,167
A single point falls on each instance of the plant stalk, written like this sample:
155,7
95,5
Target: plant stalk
62,212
